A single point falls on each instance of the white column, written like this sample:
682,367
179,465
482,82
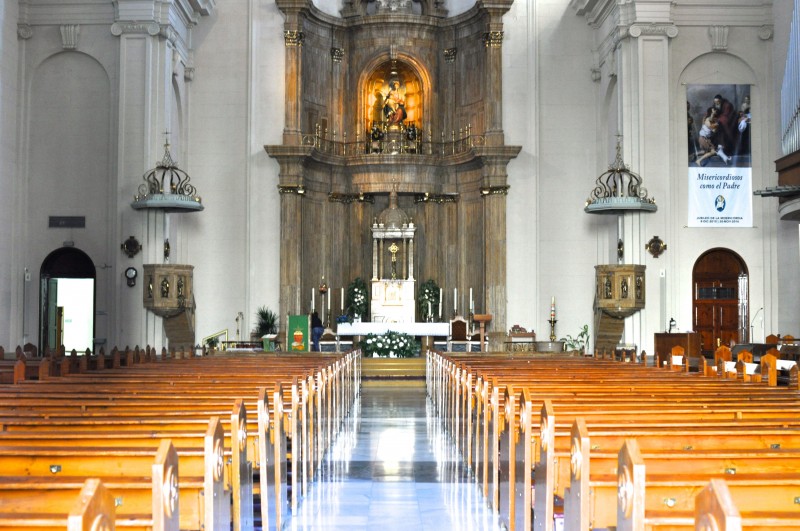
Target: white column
411,259
374,258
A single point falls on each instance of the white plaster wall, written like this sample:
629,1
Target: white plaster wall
219,160
787,231
11,280
331,7
550,109
267,88
68,137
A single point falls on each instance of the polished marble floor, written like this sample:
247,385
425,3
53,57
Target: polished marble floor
393,468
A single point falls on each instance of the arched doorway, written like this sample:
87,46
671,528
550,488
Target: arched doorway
720,299
66,300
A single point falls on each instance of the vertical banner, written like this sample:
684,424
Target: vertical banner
720,163
298,333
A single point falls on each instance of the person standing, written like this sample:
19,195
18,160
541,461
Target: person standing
316,331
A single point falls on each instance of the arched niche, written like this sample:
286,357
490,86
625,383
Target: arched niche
394,95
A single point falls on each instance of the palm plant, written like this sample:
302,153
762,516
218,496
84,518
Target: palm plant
266,322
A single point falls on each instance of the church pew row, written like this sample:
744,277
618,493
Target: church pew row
92,508
204,501
763,501
724,413
498,414
87,407
111,433
148,498
330,372
551,470
690,457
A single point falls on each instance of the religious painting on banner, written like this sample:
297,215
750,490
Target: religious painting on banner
298,333
720,162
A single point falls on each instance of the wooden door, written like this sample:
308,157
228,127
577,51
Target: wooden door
720,299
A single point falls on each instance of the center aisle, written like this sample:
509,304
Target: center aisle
393,468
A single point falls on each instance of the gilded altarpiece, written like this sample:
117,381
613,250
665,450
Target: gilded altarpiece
394,95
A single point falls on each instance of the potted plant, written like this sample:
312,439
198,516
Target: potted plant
357,299
212,342
428,300
579,342
266,326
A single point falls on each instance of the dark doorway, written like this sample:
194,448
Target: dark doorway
720,298
66,300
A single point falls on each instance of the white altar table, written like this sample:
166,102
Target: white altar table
413,329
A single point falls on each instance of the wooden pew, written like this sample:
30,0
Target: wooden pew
149,500
767,498
92,508
498,406
589,502
342,392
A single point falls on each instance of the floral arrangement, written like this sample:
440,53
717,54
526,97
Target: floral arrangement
428,299
389,345
357,298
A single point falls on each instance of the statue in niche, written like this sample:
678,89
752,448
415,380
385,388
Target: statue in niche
394,105
624,288
165,288
607,288
376,136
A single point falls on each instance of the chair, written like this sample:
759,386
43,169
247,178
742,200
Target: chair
771,339
458,340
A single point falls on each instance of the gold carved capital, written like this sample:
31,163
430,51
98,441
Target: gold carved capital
493,39
293,37
494,190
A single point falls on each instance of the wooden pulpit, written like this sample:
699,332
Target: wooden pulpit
482,318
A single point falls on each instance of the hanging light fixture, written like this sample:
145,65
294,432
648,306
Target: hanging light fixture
167,187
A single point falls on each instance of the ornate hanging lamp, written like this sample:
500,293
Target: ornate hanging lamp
619,190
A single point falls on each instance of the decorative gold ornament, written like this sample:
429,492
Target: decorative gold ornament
493,39
293,37
131,246
656,246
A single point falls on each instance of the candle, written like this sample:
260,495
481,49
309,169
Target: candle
429,309
329,303
553,308
455,300
312,300
471,302
440,303
342,300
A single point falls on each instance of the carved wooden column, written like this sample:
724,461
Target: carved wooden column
291,251
293,38
494,222
493,41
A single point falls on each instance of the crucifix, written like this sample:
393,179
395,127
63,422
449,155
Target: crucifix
393,249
